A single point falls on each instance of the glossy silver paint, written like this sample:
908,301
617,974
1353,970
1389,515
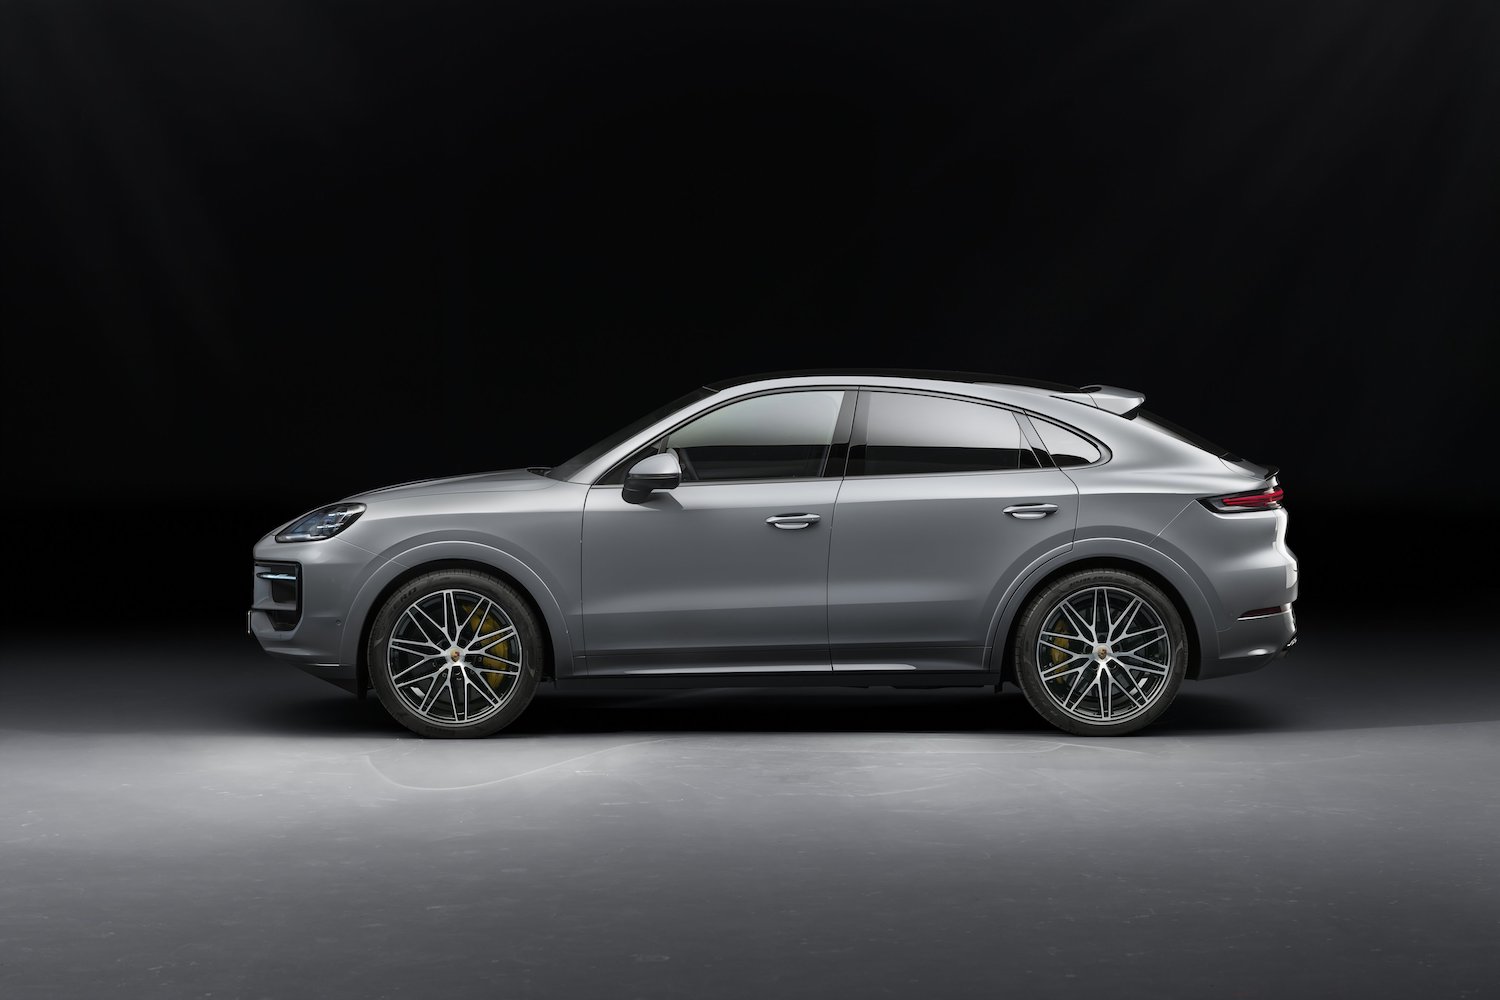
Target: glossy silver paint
888,579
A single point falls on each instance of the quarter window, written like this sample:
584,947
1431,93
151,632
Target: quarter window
909,434
785,435
1066,447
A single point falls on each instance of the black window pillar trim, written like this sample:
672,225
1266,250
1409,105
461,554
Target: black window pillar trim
837,460
1034,439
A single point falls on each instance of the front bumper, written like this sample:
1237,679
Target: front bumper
303,620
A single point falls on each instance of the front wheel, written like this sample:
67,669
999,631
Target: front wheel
1100,652
455,653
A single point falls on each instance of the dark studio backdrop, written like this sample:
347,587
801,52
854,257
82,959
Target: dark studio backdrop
261,256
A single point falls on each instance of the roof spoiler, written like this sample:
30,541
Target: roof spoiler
1107,397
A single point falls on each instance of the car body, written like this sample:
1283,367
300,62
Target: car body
851,528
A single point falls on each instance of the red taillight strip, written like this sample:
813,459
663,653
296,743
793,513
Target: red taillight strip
1262,499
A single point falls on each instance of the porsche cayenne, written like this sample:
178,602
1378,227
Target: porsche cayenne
854,528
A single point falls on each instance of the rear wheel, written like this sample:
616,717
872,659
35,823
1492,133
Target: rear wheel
1100,652
455,653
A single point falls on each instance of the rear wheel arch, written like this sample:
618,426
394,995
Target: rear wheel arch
1003,653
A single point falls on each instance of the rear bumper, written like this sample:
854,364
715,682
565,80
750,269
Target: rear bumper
1251,643
1241,561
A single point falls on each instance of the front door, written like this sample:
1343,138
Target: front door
727,573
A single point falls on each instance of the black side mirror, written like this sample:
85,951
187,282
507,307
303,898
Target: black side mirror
656,472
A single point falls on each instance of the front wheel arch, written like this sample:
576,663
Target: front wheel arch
362,665
1006,650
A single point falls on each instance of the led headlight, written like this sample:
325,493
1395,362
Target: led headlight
323,523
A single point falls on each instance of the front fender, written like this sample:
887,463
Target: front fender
544,592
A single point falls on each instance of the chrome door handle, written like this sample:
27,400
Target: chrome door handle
793,522
1030,511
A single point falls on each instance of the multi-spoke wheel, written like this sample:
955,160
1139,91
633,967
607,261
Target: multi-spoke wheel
455,653
1100,652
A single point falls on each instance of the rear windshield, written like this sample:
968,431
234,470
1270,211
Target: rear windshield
1183,434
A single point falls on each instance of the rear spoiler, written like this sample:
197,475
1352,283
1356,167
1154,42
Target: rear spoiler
1268,474
1111,398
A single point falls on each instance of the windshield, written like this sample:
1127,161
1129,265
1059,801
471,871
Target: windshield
595,451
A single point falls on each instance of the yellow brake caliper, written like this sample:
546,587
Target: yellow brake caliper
492,656
1057,654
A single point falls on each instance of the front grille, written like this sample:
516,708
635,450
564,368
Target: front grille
278,593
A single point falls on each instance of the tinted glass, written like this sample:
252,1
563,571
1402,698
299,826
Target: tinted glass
782,436
1067,448
907,435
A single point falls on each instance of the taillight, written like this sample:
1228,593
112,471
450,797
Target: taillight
1266,498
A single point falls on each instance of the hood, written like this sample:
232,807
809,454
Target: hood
504,481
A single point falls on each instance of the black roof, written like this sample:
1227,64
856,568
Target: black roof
942,376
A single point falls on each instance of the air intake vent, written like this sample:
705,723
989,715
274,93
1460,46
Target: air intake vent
278,593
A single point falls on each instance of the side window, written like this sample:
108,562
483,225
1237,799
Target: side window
1066,447
907,434
782,436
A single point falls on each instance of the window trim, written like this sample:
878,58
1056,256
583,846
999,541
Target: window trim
838,450
861,425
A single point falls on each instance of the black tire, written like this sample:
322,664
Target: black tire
1125,679
509,667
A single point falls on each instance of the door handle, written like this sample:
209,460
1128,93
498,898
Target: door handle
1030,511
793,522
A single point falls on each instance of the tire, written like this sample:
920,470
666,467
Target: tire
1089,682
482,674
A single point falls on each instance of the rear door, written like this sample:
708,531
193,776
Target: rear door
942,504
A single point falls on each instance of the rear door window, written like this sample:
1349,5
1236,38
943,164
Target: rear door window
907,434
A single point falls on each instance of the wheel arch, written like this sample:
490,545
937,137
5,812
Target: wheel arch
1131,557
397,572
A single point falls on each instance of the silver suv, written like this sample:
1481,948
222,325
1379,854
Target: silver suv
855,528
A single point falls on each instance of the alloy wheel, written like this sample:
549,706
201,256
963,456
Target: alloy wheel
1104,655
454,657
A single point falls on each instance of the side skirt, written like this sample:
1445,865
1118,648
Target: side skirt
728,678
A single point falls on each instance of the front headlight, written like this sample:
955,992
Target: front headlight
320,524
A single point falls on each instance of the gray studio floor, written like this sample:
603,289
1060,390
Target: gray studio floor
198,820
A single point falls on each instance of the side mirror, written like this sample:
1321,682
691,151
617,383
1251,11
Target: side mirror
655,472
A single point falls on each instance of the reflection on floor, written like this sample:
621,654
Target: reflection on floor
190,817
